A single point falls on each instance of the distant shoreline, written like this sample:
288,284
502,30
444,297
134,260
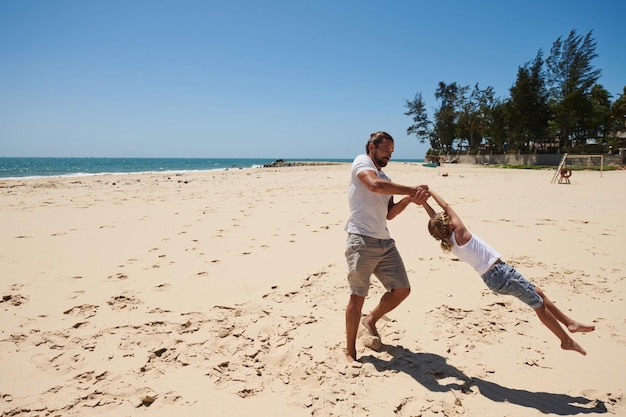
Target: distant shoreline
25,167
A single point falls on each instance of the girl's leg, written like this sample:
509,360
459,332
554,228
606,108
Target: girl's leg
546,317
572,325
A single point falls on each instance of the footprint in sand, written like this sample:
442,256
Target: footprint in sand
84,310
13,299
122,301
119,276
75,294
192,322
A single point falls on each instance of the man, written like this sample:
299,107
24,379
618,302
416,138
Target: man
369,248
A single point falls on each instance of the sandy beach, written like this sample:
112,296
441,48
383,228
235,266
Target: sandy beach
222,293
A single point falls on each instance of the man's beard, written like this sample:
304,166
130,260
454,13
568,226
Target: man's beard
382,162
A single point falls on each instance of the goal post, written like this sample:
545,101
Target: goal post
585,161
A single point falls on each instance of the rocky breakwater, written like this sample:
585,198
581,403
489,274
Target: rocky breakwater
282,163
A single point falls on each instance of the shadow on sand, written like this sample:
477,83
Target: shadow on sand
435,374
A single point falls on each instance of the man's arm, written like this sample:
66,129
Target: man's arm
382,186
396,208
419,198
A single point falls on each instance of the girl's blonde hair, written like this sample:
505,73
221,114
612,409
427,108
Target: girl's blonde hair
441,229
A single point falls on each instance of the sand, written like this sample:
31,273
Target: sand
223,294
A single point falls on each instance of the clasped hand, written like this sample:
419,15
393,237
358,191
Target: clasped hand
421,195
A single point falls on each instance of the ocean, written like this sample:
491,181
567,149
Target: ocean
48,167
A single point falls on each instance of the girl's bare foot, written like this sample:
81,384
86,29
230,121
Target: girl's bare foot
572,345
576,327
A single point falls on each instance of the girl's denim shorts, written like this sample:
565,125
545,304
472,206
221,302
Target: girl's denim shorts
502,278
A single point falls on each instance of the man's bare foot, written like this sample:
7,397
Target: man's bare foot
572,345
350,357
576,327
369,326
372,338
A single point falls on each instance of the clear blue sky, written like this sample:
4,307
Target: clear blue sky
272,79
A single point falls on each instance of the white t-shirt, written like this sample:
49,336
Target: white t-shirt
368,210
476,252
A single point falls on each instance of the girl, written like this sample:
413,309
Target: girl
500,277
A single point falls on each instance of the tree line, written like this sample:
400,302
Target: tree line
555,104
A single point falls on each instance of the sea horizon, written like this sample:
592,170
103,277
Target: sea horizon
29,167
